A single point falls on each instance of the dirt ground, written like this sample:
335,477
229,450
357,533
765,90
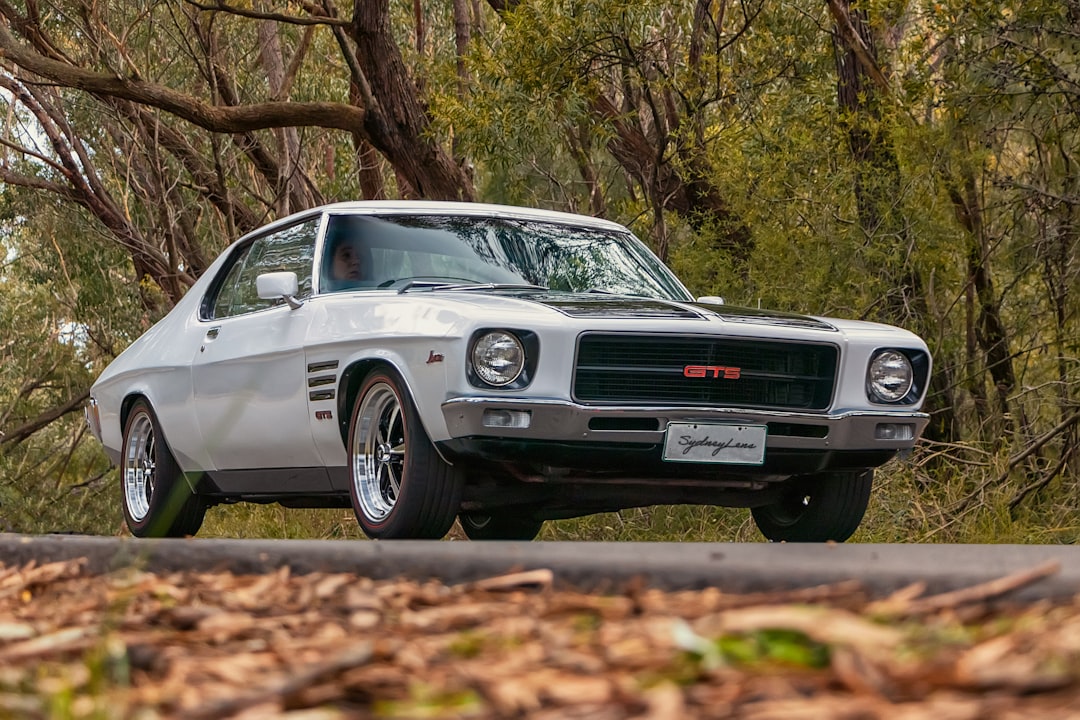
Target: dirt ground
211,645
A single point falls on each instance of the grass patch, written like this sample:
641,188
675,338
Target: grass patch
247,520
658,523
953,498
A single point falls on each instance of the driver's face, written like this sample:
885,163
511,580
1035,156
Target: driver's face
346,262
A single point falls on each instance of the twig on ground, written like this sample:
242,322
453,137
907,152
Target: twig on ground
348,659
541,578
903,606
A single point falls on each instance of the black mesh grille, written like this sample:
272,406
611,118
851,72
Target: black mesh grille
650,369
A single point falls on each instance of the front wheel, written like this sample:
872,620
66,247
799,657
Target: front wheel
817,508
157,500
499,527
401,487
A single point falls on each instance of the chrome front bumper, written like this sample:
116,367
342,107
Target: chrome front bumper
564,421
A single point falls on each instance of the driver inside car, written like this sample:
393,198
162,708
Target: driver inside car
346,261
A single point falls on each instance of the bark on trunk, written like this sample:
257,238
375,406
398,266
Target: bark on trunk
397,122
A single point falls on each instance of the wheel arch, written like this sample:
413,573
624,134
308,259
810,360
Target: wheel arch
129,402
352,378
193,479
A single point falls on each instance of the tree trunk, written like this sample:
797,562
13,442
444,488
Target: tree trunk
291,195
990,332
860,81
397,122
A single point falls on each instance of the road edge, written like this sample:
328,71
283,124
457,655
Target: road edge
731,567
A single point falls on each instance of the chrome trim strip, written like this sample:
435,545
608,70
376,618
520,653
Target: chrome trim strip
569,421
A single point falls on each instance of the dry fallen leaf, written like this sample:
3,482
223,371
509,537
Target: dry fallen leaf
144,646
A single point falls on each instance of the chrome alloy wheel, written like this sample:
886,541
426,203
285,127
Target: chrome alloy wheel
140,466
379,459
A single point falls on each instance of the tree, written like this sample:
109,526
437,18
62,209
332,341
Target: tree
645,84
866,96
1011,96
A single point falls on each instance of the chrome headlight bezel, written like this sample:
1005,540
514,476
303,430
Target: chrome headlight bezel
890,377
501,358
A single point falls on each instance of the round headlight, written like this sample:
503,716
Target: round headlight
498,358
889,377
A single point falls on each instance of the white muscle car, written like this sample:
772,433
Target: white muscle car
422,362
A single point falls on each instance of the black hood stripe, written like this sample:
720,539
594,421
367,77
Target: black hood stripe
614,306
732,313
622,306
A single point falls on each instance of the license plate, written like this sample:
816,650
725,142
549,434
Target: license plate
711,443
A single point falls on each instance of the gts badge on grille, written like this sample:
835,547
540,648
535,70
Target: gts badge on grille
712,371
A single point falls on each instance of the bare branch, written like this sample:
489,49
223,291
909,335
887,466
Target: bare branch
23,150
204,176
17,435
245,118
852,39
294,64
35,183
276,17
1015,460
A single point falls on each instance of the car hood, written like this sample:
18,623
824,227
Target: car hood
599,305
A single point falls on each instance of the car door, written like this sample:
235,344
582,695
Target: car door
249,376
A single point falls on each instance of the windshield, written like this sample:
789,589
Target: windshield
364,251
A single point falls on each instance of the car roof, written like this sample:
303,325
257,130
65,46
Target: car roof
436,207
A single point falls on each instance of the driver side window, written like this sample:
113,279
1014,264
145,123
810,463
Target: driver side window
289,249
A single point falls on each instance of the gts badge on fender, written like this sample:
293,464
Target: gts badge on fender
712,371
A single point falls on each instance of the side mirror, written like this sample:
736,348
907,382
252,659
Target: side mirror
711,300
279,286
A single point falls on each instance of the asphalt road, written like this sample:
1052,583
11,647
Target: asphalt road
732,567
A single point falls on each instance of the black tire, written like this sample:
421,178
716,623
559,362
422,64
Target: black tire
499,527
400,486
156,497
817,508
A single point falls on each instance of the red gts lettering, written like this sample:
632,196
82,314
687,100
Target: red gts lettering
713,371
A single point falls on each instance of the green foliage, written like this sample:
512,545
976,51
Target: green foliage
773,647
63,316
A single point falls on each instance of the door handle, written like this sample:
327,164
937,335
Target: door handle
212,333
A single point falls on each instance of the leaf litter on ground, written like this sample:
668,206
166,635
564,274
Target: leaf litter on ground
197,645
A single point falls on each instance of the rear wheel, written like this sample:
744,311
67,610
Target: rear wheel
499,527
401,487
157,500
817,508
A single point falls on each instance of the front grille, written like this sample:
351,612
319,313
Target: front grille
627,368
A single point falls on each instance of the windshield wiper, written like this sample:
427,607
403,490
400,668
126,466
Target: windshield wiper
432,285
424,285
498,286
